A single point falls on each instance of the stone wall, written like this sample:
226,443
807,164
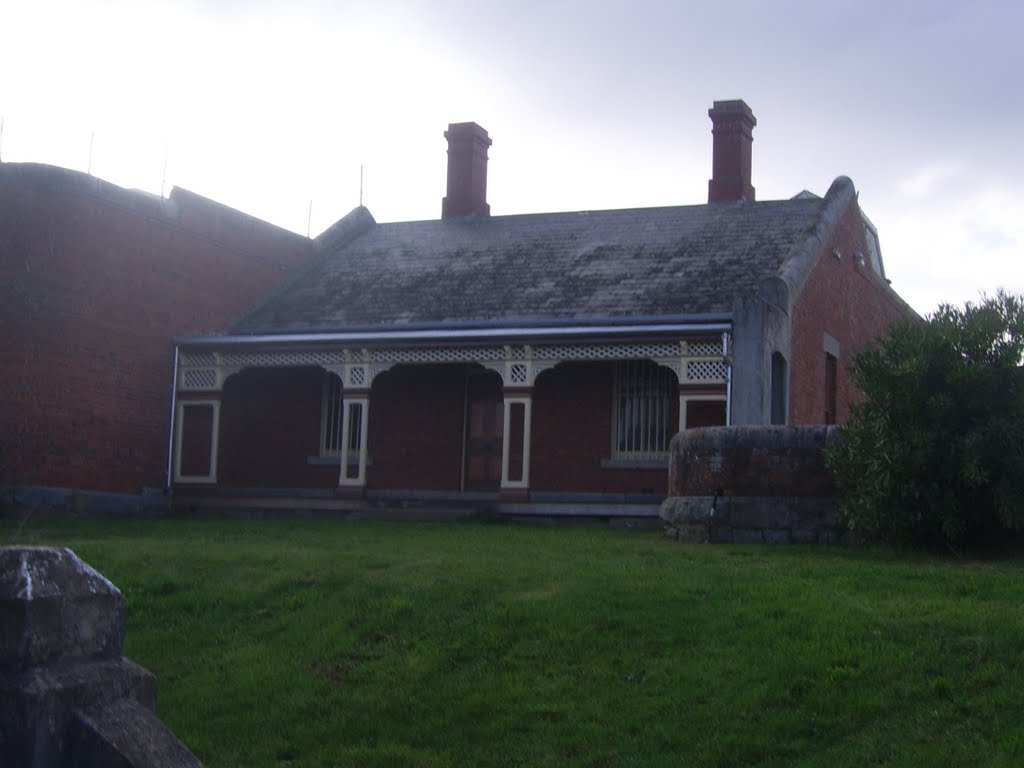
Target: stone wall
752,485
68,698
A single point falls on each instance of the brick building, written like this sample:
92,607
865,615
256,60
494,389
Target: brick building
537,363
95,283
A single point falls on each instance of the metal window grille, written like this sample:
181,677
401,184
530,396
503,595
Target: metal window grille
332,415
643,396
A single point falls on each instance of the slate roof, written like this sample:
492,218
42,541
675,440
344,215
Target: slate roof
672,261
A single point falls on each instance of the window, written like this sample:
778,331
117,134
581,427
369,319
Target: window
705,411
874,249
196,441
330,431
778,393
643,398
831,369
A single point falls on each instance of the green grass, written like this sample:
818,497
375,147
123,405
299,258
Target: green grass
312,643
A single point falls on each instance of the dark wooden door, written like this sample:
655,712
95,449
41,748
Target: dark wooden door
484,422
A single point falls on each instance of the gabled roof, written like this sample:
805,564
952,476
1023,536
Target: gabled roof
557,267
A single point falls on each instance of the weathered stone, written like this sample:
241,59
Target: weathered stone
693,533
55,607
804,536
126,735
721,534
747,536
754,484
688,509
777,536
67,696
751,461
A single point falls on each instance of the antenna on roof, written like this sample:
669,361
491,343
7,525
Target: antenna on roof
163,177
309,219
92,137
360,185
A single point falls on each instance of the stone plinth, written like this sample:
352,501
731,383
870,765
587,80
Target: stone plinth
67,696
752,485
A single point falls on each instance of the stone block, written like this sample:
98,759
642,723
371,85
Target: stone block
747,536
55,607
67,696
777,536
688,509
804,536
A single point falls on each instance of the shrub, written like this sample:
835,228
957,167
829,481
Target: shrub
935,452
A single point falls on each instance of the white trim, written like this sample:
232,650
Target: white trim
692,361
346,427
214,442
728,379
506,437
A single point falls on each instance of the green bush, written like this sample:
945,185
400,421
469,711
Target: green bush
935,452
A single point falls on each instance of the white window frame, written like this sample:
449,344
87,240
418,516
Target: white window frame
214,441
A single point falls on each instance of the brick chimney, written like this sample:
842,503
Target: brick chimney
467,171
732,126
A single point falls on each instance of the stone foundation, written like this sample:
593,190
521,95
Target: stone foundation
764,485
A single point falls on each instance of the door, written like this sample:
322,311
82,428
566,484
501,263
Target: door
484,422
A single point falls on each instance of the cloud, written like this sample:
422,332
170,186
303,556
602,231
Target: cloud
926,181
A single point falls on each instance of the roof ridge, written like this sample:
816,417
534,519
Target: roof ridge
796,267
346,229
349,227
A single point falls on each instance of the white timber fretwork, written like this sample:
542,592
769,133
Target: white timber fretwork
699,362
702,362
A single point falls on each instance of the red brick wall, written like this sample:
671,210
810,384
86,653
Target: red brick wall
416,428
572,434
95,281
270,427
847,301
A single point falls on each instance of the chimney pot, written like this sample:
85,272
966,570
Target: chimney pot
467,171
732,125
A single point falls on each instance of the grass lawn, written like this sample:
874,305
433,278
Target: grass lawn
314,643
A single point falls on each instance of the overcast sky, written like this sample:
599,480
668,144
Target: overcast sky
266,106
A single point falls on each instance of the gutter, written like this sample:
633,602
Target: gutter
174,408
469,334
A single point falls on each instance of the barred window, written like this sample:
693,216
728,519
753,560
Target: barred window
330,442
643,400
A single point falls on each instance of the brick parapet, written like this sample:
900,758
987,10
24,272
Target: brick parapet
95,281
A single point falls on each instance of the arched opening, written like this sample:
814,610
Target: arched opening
582,411
270,429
